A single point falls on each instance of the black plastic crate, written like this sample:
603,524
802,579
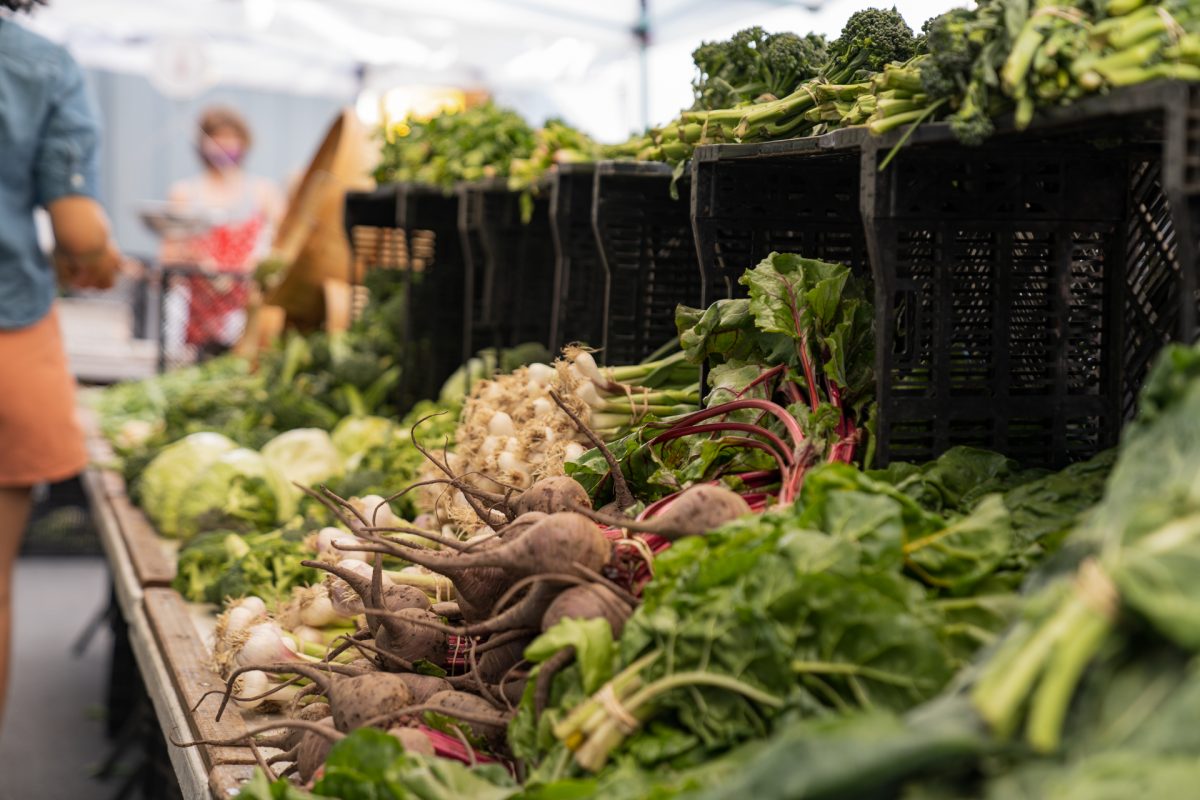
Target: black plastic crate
579,277
648,251
413,228
437,285
795,196
511,265
1023,287
375,239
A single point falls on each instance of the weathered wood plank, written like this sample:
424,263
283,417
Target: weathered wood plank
187,661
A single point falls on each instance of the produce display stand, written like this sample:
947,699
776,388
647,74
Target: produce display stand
165,634
648,251
1022,287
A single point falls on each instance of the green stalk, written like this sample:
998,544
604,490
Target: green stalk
888,108
880,126
635,409
1118,8
594,753
1013,73
828,91
621,684
1135,56
1136,33
1000,704
904,78
430,584
1137,75
1049,706
658,397
857,670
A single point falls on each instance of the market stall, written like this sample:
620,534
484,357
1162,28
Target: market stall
880,483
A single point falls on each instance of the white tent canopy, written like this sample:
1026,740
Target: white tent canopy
583,61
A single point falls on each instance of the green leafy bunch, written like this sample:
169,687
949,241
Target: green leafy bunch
480,142
753,64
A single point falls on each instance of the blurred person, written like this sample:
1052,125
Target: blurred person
242,211
49,141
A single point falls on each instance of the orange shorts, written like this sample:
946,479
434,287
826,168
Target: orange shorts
41,439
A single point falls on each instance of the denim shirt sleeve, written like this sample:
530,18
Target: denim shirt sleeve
67,159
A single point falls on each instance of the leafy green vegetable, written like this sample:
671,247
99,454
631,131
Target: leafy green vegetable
168,478
306,456
221,564
480,142
354,436
754,63
240,491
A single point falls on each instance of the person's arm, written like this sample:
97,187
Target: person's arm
66,169
175,249
85,254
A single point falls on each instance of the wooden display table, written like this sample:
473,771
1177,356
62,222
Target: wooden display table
167,634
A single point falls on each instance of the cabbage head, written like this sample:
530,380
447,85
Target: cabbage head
355,436
305,456
166,479
240,492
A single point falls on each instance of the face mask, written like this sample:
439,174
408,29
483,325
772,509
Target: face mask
219,157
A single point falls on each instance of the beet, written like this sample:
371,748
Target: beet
588,601
693,512
401,635
414,740
312,750
552,495
358,699
550,545
483,720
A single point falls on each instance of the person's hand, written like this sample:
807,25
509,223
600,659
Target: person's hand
96,270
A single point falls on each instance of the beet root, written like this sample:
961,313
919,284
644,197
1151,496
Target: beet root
312,750
364,697
401,634
414,741
552,495
480,717
588,601
694,512
550,545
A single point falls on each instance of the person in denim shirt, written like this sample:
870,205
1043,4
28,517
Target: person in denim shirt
48,158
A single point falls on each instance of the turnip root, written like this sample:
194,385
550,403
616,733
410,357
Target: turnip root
587,601
323,674
336,543
288,739
694,512
447,609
